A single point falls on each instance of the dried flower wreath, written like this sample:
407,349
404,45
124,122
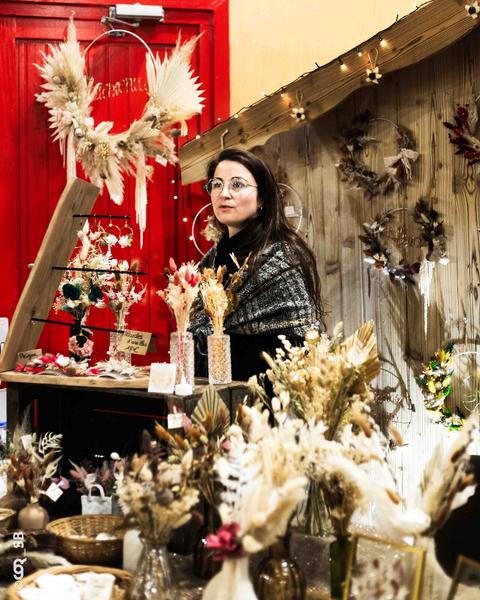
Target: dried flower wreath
174,97
436,383
462,134
431,238
398,168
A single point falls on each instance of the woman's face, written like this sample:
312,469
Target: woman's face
235,204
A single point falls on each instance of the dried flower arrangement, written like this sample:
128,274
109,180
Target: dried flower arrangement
157,494
204,435
173,96
124,290
462,135
33,461
85,475
436,383
398,168
181,291
219,296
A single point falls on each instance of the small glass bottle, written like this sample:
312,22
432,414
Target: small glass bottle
114,353
182,354
219,359
278,576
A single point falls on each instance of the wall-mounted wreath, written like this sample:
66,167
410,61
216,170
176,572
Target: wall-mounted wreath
431,240
398,168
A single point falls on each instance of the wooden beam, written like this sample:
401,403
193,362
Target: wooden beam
42,283
413,38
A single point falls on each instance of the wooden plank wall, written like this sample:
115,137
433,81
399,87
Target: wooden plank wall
420,98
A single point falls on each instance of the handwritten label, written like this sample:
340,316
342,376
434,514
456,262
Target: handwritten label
26,441
175,420
135,342
162,378
27,355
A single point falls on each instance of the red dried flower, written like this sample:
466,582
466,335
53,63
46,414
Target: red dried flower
225,542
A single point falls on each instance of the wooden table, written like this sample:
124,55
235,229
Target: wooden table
99,415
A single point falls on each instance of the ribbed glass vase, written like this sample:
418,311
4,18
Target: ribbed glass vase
182,354
153,578
278,576
219,359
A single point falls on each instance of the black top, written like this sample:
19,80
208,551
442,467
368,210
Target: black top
246,350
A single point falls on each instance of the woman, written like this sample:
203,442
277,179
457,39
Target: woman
280,293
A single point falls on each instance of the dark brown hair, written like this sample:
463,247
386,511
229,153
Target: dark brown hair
270,223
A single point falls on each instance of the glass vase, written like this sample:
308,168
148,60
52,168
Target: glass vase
182,354
79,344
219,359
316,517
278,576
204,565
114,353
153,579
340,556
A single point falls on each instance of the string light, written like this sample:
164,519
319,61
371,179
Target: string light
235,116
264,94
184,219
359,52
343,66
173,181
191,238
383,42
219,118
197,137
175,197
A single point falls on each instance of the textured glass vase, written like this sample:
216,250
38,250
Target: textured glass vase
340,551
219,359
153,579
114,353
278,576
182,354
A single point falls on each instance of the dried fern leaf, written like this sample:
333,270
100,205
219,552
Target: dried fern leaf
212,413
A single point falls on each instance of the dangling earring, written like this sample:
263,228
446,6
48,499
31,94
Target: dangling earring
260,208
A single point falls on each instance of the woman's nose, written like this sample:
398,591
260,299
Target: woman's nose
225,193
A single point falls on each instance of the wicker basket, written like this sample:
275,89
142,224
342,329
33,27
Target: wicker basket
88,550
123,579
7,518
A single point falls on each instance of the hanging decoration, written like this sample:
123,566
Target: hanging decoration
436,384
431,240
373,72
461,134
174,97
398,168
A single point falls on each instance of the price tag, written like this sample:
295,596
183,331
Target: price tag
135,342
175,420
27,355
162,378
53,492
26,441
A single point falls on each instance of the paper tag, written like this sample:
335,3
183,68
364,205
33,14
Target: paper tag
135,342
27,355
175,420
290,211
26,441
162,378
54,492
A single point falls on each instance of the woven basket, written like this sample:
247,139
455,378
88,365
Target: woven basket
88,550
123,579
7,518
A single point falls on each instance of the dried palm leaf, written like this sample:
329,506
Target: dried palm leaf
212,413
361,349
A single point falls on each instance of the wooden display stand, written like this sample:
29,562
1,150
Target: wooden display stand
73,405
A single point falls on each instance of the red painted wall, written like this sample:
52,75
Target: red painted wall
32,175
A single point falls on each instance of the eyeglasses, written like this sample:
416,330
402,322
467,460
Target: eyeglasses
235,186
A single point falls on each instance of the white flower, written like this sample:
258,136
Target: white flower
373,75
124,241
473,9
369,260
298,113
111,239
62,361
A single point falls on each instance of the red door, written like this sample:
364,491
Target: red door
33,176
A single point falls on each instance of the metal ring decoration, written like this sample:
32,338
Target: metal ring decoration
296,216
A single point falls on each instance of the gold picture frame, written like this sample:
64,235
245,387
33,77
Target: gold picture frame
409,558
467,571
